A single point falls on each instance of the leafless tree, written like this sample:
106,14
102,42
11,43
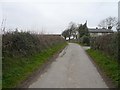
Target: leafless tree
72,29
3,25
108,22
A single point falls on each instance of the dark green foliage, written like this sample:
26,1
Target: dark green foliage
83,30
84,36
107,44
80,31
85,40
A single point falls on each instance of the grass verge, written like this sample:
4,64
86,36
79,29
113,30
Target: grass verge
107,64
21,68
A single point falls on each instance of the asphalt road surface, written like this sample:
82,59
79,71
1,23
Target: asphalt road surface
72,69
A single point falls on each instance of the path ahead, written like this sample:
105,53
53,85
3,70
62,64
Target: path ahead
72,69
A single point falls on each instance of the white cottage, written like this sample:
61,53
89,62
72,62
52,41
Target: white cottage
98,32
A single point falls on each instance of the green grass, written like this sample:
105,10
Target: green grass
107,64
19,69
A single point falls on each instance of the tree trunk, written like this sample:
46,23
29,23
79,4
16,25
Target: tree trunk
69,39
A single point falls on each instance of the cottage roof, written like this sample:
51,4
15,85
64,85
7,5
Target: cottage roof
52,34
93,30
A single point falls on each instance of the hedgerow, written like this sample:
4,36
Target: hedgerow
24,44
106,43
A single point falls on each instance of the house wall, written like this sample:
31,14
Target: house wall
98,34
95,34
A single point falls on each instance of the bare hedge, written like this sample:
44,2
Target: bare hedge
106,43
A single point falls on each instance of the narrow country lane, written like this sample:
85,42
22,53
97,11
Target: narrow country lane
72,69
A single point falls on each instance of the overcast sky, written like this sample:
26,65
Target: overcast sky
53,16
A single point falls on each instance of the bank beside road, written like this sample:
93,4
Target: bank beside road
107,65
